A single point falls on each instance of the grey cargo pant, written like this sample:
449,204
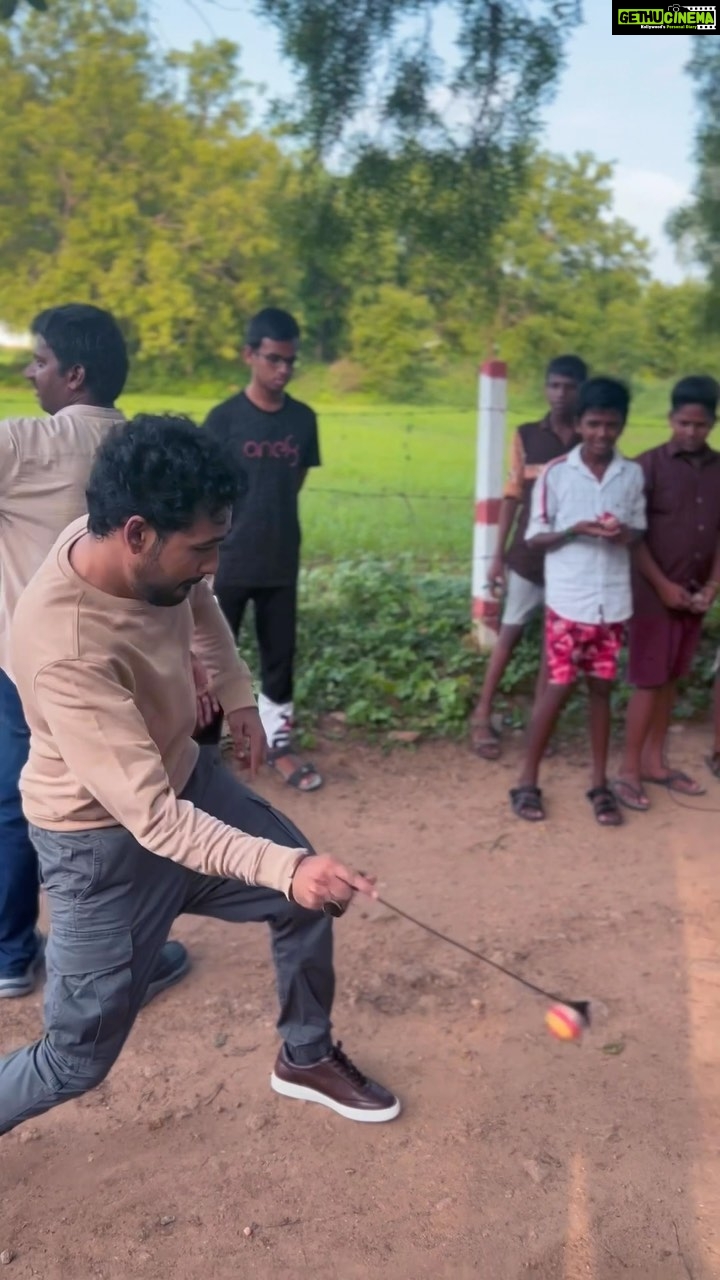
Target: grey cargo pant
112,905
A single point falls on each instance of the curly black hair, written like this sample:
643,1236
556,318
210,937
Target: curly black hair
163,468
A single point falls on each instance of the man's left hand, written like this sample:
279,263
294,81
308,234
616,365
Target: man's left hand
248,738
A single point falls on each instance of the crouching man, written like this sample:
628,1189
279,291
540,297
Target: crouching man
133,825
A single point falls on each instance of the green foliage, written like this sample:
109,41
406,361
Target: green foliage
391,648
150,192
141,190
386,646
696,228
392,336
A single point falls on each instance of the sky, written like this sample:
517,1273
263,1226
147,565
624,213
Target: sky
625,98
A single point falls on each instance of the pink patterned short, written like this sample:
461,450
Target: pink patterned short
590,648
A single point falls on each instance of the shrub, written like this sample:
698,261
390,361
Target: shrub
390,646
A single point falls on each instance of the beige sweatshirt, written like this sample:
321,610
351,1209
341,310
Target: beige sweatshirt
108,692
44,468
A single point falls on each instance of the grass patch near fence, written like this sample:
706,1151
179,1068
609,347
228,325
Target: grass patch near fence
396,479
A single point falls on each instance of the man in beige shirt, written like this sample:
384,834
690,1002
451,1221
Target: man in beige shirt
78,370
132,823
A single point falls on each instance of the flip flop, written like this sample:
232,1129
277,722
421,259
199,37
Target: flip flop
669,782
633,797
487,747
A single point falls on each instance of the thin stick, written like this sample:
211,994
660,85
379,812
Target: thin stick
477,955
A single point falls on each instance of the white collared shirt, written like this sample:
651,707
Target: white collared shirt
587,579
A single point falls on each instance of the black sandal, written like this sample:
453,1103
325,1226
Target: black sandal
295,778
526,803
605,806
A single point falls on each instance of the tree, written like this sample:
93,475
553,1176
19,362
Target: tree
142,190
443,139
8,8
567,274
393,338
384,54
696,228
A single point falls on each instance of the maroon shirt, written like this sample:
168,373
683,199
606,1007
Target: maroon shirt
683,515
534,445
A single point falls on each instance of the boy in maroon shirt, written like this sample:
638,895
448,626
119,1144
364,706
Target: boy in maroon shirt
676,579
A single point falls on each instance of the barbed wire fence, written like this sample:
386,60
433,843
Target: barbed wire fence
431,529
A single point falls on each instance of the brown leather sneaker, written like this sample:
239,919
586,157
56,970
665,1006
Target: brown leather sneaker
335,1082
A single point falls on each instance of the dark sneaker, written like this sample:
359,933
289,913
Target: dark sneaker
12,986
335,1082
172,964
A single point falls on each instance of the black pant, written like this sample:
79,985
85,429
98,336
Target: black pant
275,623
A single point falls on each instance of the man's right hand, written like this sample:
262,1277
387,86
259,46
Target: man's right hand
319,879
674,596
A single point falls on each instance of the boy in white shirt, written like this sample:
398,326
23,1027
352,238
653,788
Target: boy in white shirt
587,510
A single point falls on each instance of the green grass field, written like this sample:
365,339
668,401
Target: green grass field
395,478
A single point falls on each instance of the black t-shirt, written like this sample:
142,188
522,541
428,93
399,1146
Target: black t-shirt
263,546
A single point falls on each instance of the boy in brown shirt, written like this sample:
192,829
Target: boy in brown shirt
676,579
517,568
132,823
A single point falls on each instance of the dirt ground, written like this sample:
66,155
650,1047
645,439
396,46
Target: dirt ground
515,1155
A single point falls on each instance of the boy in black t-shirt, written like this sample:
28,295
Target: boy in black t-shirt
274,440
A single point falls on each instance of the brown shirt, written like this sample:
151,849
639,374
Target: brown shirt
683,515
44,469
534,445
108,692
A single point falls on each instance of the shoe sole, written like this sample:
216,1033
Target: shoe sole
16,993
303,1094
156,989
25,986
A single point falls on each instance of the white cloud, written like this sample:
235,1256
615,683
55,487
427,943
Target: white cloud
645,197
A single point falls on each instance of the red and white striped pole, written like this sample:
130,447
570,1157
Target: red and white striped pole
492,406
